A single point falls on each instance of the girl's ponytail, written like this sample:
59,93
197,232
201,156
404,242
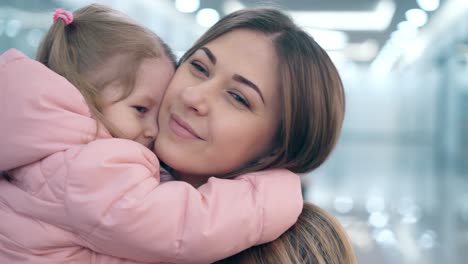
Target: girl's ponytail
59,52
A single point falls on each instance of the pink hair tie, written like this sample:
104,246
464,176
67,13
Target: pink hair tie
66,16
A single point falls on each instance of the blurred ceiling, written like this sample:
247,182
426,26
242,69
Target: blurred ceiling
367,24
354,32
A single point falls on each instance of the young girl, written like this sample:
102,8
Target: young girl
73,204
255,92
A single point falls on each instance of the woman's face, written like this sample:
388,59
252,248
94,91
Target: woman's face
220,110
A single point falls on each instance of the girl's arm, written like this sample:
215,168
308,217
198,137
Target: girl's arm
109,191
111,198
40,112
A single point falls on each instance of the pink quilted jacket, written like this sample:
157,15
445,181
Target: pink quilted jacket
103,202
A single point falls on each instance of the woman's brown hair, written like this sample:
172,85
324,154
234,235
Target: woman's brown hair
313,101
316,238
97,35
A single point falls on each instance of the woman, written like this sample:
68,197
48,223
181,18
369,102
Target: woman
307,119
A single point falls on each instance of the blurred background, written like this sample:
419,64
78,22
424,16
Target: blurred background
398,179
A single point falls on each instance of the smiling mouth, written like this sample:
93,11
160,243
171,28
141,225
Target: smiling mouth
181,128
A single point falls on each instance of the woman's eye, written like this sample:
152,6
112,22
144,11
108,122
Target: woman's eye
198,67
240,99
141,109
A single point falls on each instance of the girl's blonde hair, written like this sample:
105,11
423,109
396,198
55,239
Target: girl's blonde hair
316,238
80,50
310,88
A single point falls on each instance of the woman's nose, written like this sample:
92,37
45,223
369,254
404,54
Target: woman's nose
197,97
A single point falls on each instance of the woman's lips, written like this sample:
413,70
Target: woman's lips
182,128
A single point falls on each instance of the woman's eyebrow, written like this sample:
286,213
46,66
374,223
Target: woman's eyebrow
235,77
210,54
243,80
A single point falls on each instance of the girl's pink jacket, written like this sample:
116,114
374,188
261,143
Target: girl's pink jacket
103,202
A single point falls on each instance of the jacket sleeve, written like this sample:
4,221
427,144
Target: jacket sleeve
117,206
40,112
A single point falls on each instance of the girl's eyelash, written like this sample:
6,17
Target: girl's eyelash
141,109
199,68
